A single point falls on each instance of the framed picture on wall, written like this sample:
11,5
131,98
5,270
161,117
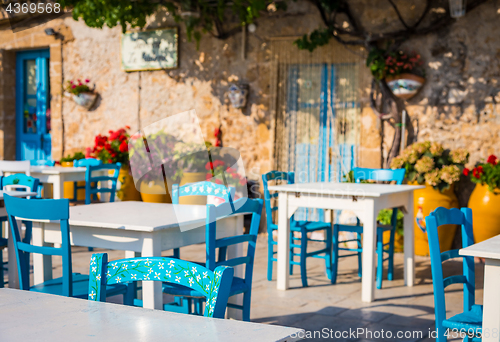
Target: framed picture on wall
150,50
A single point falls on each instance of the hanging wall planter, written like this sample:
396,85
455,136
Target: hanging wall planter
405,86
238,95
81,93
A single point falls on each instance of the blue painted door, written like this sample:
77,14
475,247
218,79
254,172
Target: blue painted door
33,140
322,106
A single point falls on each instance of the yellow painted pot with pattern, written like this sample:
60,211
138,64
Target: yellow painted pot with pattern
485,213
425,201
126,190
154,192
193,177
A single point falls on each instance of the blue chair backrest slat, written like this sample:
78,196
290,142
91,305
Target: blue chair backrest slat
379,175
214,285
233,240
442,216
203,188
235,261
243,206
455,279
103,179
87,162
451,254
21,179
40,162
41,209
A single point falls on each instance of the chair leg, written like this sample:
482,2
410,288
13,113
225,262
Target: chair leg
390,268
246,306
75,191
335,261
291,253
177,253
270,255
328,256
380,260
360,259
303,258
1,266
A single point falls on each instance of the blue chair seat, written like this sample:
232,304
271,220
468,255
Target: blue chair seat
80,287
471,319
310,225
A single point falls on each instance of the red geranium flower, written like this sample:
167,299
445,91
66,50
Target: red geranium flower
123,146
466,172
477,171
492,160
209,166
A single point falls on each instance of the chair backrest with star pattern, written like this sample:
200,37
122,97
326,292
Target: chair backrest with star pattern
204,188
214,285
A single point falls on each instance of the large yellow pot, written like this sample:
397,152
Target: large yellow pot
485,213
425,201
69,186
398,241
193,177
154,192
126,190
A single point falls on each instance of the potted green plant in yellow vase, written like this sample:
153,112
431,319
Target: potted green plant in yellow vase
438,169
485,199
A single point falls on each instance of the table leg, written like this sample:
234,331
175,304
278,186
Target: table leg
235,251
152,290
369,252
491,301
42,264
58,188
409,243
283,276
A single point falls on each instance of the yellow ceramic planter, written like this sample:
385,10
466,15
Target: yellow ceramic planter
485,213
154,192
425,201
126,187
69,186
193,177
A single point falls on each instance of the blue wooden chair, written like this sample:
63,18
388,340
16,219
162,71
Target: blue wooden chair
213,285
239,285
304,227
379,175
70,284
104,178
471,320
84,163
41,162
200,189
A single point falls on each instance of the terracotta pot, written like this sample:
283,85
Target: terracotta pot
154,192
485,213
69,186
425,201
405,86
125,187
193,177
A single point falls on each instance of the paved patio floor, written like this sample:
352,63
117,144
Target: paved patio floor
335,312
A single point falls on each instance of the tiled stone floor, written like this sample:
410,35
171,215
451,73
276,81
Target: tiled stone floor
332,312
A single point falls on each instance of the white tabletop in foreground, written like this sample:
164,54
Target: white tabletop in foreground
365,200
490,250
17,193
31,316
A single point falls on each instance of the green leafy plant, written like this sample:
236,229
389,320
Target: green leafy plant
385,216
77,87
486,173
429,163
70,158
384,64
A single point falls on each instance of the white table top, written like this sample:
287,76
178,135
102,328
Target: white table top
346,189
31,316
137,216
17,193
54,170
489,249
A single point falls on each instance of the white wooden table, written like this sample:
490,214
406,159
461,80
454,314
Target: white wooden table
143,229
57,175
32,316
365,200
16,194
490,250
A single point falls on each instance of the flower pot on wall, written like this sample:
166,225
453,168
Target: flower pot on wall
154,192
405,86
485,213
125,187
193,177
425,201
85,100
